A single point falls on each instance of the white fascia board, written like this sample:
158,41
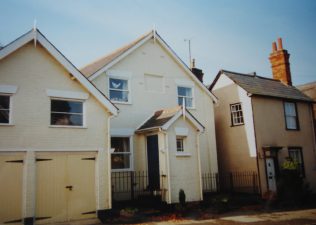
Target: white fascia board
13,46
119,58
176,58
195,123
68,66
8,89
67,94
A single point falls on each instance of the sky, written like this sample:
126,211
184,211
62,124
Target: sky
234,35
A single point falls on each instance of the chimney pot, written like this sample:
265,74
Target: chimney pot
193,63
280,45
274,47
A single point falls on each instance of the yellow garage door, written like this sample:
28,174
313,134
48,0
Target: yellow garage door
11,175
65,187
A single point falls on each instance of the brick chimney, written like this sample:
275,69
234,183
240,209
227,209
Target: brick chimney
280,64
197,72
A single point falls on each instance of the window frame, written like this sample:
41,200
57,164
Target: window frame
192,97
182,148
131,154
232,117
69,100
296,116
129,95
302,165
10,110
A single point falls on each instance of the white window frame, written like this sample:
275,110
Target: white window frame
113,75
233,114
180,96
10,110
69,100
286,115
131,154
182,141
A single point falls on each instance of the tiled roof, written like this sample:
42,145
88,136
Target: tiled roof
93,67
160,118
263,86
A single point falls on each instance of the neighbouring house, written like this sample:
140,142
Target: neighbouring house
54,136
262,121
152,137
309,89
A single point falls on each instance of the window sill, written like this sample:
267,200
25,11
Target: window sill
183,154
122,103
64,126
7,124
121,170
237,125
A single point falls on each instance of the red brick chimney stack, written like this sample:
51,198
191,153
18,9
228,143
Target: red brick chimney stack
280,64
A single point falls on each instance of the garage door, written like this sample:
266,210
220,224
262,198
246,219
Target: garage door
65,187
11,175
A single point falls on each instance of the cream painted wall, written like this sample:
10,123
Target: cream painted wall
270,131
184,170
33,71
235,143
152,59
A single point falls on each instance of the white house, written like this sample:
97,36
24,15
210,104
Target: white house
147,80
54,137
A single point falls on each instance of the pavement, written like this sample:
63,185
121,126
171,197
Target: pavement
298,217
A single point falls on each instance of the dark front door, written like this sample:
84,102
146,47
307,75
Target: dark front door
153,162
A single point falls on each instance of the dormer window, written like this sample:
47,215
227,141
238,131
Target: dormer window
119,90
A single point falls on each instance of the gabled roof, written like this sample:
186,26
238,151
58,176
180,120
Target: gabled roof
36,36
164,118
257,85
96,68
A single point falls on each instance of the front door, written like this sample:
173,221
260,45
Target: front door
271,174
153,163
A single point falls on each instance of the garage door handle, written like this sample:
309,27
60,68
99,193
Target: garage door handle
69,188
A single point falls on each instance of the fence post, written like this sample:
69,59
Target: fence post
217,182
254,182
132,185
231,180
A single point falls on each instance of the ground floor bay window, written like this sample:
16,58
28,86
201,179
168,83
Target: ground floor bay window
121,158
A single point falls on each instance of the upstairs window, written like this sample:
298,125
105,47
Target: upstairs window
4,109
180,144
119,91
66,113
185,94
236,114
291,118
297,156
121,157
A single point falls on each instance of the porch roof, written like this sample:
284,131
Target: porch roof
163,119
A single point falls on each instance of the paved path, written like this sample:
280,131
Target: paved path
299,217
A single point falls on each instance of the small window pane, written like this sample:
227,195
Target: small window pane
120,161
118,84
120,144
66,119
120,96
66,106
184,91
4,116
4,102
180,145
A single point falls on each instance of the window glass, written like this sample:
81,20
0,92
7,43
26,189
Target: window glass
68,113
119,90
290,115
121,157
297,157
180,145
236,114
4,109
185,95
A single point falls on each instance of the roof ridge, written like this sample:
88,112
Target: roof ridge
250,75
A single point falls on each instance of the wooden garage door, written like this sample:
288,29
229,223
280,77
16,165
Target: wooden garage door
65,187
11,175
